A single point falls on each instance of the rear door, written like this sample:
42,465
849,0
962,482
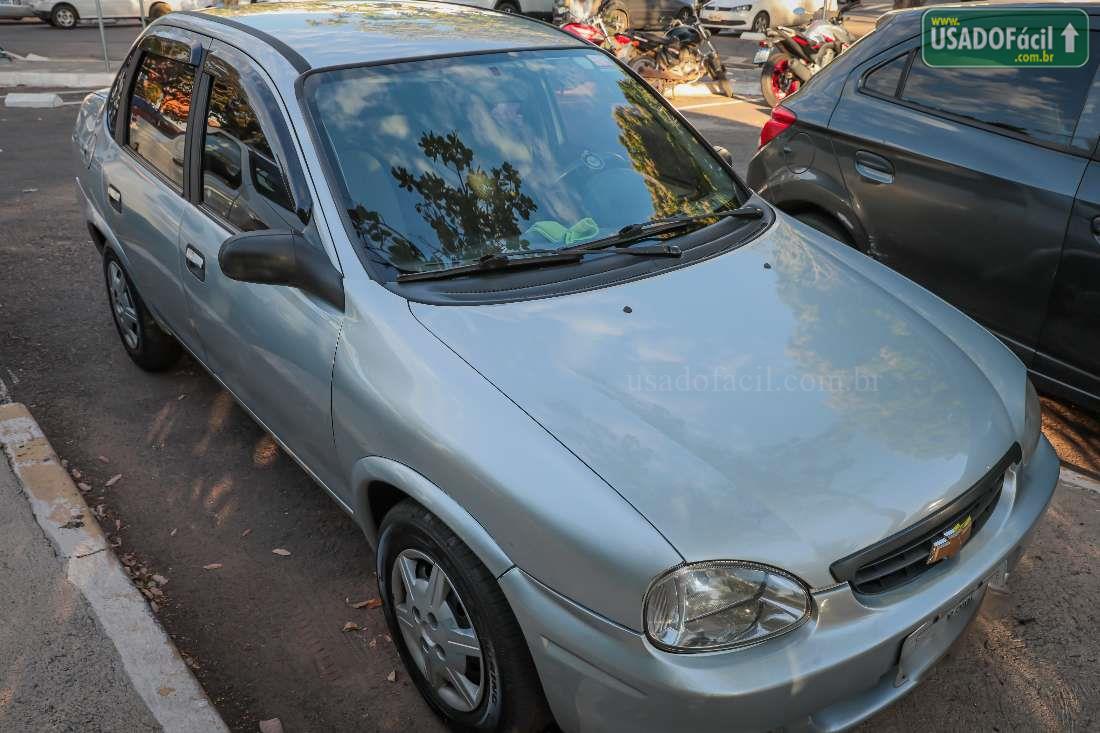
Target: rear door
272,345
143,175
1069,349
965,178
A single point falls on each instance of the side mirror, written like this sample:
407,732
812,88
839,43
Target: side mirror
282,258
724,155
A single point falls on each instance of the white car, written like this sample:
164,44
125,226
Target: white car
15,9
756,16
68,13
537,8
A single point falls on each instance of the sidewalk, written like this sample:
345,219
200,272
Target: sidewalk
55,74
57,669
80,650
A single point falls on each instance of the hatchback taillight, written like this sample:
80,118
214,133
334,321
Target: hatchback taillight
781,119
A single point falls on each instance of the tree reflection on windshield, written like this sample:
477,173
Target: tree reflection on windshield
474,213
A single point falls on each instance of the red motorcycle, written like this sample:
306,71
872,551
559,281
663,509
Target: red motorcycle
594,30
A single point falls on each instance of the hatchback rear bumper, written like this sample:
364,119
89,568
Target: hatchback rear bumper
829,674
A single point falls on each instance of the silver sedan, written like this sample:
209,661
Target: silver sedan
635,450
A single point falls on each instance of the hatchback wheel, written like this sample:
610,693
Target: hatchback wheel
761,22
145,342
453,627
64,16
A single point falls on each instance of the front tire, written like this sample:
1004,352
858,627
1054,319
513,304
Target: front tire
453,628
145,342
616,18
761,22
64,16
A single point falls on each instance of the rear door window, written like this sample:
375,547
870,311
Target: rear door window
1042,104
159,107
242,182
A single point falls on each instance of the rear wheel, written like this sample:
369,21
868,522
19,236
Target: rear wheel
826,225
761,22
777,80
64,16
717,71
616,18
507,6
145,342
454,630
159,10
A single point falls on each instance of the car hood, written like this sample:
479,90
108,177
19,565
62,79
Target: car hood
773,404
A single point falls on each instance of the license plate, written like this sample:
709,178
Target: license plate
761,55
924,646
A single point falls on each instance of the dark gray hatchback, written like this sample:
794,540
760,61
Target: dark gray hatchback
983,185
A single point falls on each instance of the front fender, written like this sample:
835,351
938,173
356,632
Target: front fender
371,471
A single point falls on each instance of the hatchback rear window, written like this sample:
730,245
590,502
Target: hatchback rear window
1043,104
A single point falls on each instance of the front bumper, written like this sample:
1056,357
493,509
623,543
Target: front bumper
832,672
724,19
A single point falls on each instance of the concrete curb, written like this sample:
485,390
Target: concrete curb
56,79
154,666
1078,480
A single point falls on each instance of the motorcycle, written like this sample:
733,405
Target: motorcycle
594,30
683,54
789,57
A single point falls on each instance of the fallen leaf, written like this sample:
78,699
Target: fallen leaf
392,676
181,398
173,532
212,566
76,474
165,691
160,580
30,190
373,643
372,603
352,626
103,459
246,532
153,605
113,480
83,486
118,524
280,551
271,726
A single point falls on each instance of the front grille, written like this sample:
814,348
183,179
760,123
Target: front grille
903,557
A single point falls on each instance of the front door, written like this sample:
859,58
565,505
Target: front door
272,345
143,174
964,179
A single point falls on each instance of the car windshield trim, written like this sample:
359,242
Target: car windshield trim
377,265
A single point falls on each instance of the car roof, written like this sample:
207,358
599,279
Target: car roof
321,34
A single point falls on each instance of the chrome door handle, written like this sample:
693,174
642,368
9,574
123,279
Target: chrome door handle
196,263
115,197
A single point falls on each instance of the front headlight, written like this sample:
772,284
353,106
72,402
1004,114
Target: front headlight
742,8
1033,422
721,605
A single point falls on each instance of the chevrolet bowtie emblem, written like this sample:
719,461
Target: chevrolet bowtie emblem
951,541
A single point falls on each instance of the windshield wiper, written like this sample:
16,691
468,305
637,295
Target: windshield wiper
654,227
533,258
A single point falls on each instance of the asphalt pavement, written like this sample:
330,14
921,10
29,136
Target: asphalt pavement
32,36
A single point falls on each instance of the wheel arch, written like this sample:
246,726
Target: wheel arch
381,483
794,197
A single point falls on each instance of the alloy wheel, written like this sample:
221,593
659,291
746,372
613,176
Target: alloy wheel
65,18
437,631
760,23
122,303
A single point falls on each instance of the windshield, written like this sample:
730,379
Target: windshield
443,162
